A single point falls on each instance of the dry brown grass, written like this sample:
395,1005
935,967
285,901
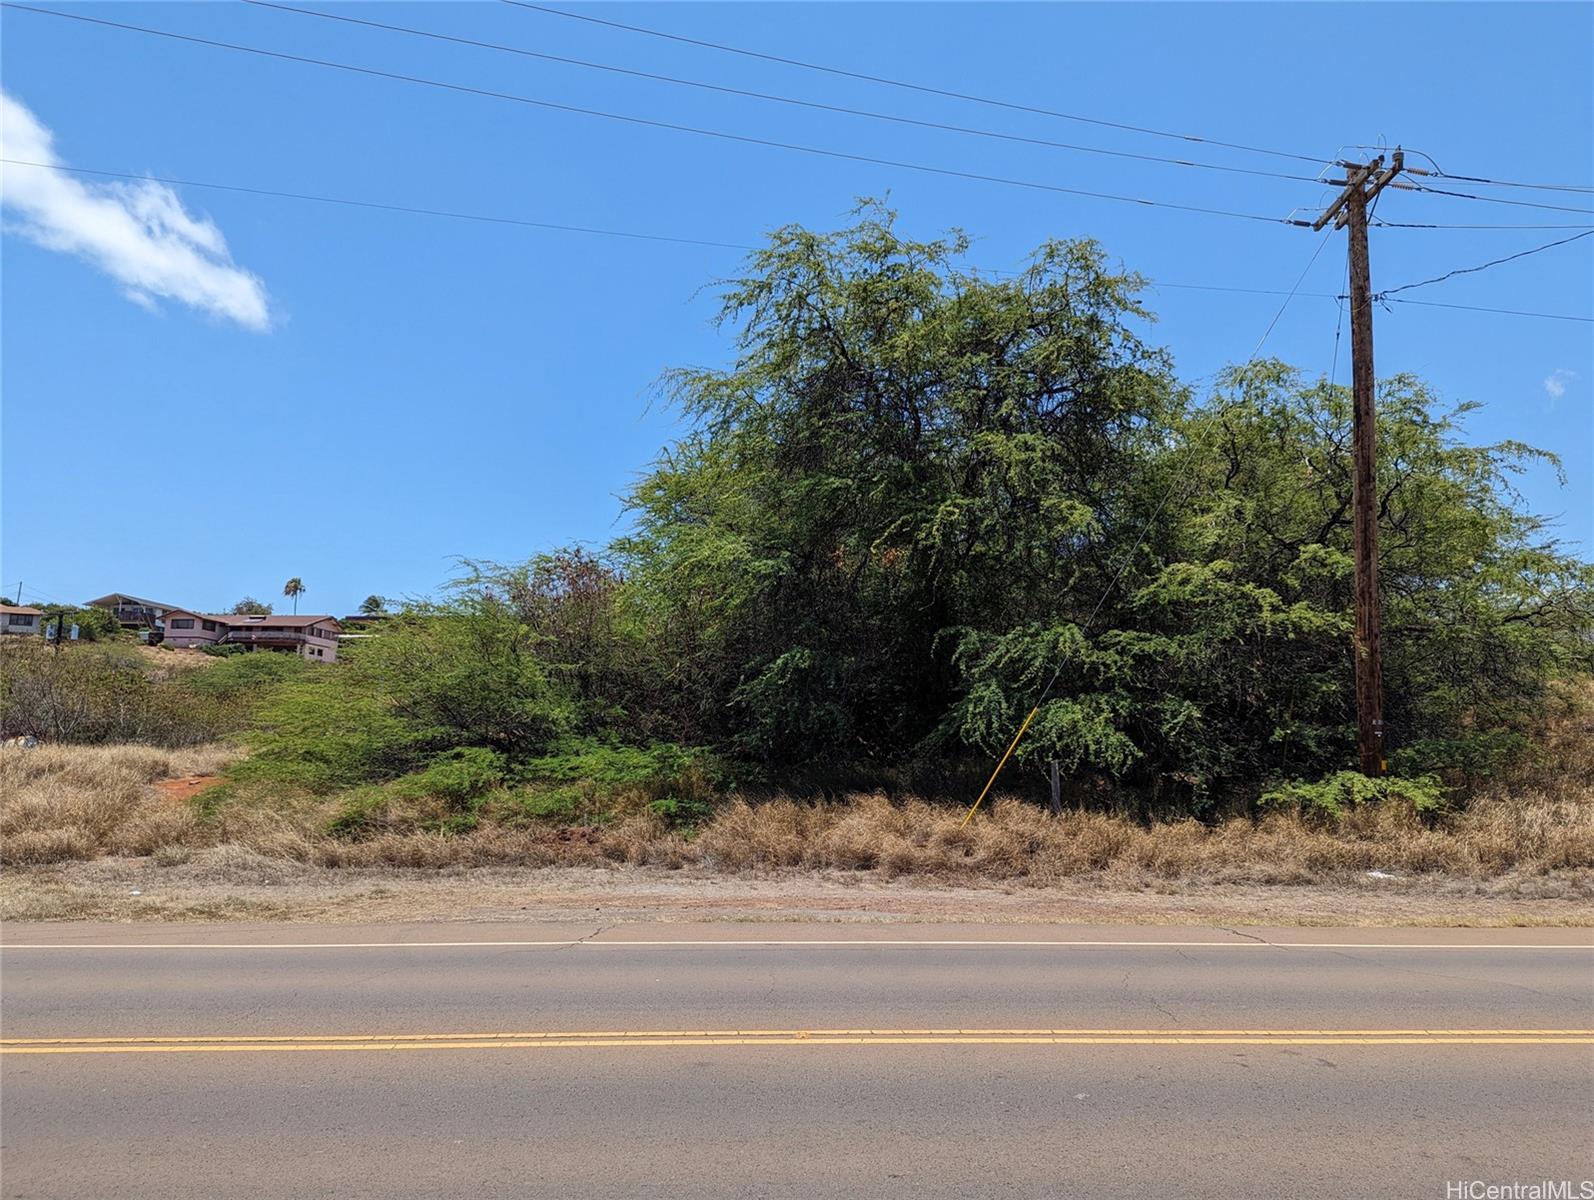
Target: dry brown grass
75,803
1016,841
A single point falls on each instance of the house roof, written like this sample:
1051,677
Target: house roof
21,609
246,621
188,612
113,597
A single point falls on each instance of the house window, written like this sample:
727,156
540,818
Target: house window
19,619
209,626
182,622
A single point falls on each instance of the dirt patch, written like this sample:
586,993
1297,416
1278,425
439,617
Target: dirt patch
185,788
235,883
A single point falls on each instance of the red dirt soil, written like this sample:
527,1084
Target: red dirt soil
183,789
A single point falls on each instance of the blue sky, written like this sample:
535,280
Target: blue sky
356,397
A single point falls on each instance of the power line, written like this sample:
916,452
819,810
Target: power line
916,87
1513,183
1439,172
630,234
745,139
1213,287
1406,287
551,226
32,593
1509,312
1546,187
648,122
453,214
1439,225
372,204
791,100
1339,323
1433,191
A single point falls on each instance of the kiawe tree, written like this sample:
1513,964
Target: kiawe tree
919,491
904,450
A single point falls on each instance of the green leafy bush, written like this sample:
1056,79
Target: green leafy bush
684,814
611,764
561,805
457,775
1332,797
917,493
93,624
360,812
320,734
114,693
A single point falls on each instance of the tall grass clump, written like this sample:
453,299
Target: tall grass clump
78,802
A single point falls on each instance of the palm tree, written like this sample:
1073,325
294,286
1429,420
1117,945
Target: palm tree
293,589
373,605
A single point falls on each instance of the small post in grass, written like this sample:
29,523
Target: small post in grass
1057,788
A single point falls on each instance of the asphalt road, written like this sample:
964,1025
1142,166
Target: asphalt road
678,1061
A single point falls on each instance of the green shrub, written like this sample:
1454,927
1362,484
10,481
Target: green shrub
1335,795
93,624
318,734
361,812
556,804
611,764
209,803
439,678
457,775
683,814
105,693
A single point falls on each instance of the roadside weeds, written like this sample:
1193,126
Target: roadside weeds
85,833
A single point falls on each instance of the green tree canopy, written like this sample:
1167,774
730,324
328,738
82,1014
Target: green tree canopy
902,450
919,490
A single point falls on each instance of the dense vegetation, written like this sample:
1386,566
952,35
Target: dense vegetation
916,494
119,692
919,492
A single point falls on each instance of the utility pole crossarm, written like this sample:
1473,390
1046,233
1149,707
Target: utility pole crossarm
1379,182
1353,184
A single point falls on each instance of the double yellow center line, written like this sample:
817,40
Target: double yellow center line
635,1039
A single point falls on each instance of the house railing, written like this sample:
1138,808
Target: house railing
129,614
265,635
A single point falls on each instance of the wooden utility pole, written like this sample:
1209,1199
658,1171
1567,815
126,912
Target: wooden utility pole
1349,212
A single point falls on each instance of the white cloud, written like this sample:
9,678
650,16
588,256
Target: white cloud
1556,383
137,233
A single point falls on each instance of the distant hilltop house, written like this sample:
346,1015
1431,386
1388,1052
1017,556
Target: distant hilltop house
17,618
312,637
132,612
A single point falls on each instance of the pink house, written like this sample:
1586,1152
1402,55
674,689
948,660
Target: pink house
312,637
